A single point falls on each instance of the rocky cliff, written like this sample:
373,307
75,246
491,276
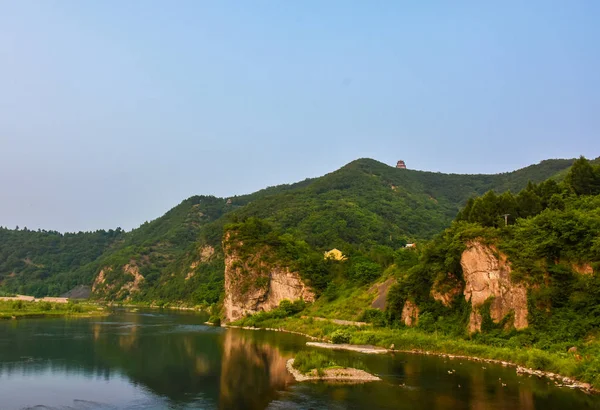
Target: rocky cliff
254,282
487,277
127,282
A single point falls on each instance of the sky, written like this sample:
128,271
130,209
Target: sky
113,112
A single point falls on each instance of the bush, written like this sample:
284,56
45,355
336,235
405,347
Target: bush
340,336
288,308
374,316
45,306
307,360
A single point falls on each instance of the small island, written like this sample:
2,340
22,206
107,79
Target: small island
309,365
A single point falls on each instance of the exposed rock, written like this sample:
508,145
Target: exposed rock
253,284
382,291
583,268
78,292
206,252
445,290
488,276
572,349
133,270
100,279
410,313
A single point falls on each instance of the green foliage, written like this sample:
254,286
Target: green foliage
23,309
365,271
583,178
374,316
39,263
366,209
308,360
340,336
285,309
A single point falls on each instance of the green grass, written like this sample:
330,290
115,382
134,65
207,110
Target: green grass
349,304
23,309
584,366
308,360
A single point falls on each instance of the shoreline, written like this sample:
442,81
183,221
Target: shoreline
42,315
339,375
558,379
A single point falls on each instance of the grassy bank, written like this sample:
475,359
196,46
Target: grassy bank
22,309
583,365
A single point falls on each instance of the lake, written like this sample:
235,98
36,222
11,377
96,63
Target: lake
170,360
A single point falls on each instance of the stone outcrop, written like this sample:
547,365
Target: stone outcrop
445,290
100,279
206,253
487,276
583,268
410,313
134,271
381,291
102,285
254,284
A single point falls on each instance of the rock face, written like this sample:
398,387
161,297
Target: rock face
254,284
102,284
445,290
410,313
488,276
583,268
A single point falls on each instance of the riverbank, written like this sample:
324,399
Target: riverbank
563,368
19,309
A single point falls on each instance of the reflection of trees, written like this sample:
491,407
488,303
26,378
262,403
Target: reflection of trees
251,372
237,369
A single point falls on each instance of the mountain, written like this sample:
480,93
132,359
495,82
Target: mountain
178,257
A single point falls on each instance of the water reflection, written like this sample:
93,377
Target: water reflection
242,357
136,360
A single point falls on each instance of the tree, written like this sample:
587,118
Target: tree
583,178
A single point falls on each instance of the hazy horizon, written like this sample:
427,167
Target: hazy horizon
113,113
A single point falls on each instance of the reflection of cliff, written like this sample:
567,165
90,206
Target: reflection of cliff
251,372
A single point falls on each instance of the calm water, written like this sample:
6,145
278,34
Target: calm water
170,360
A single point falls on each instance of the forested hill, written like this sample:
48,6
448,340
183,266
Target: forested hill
363,204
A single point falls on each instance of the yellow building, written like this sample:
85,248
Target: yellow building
335,254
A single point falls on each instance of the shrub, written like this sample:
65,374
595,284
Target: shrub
374,316
340,336
307,360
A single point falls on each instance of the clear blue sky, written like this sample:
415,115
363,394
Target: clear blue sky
112,112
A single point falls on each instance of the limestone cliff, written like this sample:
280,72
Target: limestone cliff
410,313
487,276
126,282
254,282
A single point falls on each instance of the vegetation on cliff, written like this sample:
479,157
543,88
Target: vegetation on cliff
366,209
552,246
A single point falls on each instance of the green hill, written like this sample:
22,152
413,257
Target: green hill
356,208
